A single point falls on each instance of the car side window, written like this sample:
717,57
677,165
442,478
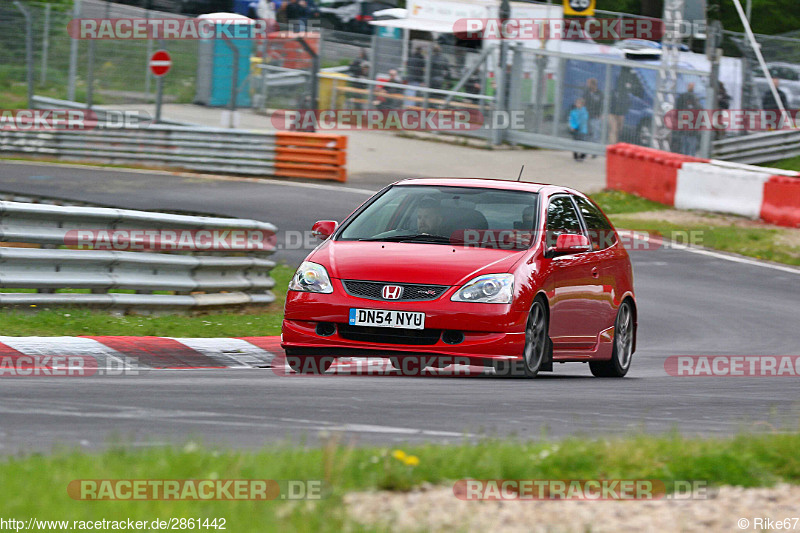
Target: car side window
601,232
561,218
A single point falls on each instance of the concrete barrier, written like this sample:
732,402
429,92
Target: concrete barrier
692,183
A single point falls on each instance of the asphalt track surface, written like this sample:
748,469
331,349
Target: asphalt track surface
689,304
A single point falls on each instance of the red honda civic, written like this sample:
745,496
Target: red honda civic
498,273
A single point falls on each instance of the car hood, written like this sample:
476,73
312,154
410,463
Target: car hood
435,264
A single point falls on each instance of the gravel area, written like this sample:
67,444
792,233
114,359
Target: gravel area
437,509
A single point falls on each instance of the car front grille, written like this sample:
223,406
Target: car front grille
417,337
411,292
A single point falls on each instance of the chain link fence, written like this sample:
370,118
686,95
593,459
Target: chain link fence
543,82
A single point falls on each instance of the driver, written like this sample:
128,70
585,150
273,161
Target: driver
429,217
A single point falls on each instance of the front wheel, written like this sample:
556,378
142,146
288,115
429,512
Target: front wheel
537,345
622,352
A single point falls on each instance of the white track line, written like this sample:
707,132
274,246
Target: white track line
718,255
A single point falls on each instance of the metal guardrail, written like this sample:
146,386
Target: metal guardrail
759,147
199,148
45,102
194,281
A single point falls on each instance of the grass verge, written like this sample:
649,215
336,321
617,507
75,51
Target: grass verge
77,321
719,232
37,485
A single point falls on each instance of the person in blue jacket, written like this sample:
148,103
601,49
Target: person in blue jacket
579,125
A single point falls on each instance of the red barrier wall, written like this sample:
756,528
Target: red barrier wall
782,201
646,172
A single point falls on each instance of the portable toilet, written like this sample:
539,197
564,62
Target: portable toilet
215,61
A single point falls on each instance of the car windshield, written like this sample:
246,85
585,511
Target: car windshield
463,216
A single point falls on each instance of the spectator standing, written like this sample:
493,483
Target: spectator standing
416,74
688,140
296,14
768,103
579,125
593,97
440,68
724,102
620,103
389,99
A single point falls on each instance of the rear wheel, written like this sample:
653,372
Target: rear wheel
622,352
537,345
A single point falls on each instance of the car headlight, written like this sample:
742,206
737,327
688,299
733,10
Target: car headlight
487,289
311,277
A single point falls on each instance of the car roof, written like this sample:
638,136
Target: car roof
488,183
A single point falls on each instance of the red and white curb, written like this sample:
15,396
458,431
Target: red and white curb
172,353
771,194
149,352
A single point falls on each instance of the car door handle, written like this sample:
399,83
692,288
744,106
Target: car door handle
595,272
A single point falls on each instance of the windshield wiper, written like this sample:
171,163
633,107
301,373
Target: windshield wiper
416,237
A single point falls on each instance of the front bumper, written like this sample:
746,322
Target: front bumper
490,331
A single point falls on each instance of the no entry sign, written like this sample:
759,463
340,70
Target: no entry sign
160,63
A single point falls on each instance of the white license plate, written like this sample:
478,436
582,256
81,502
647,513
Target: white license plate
387,319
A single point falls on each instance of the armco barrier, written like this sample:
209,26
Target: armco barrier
646,172
190,147
710,185
235,275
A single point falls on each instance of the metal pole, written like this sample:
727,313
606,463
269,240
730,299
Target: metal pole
749,9
427,76
73,55
28,49
159,88
373,68
314,74
90,76
500,91
159,97
45,42
148,76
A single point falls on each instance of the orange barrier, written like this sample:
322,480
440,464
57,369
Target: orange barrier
646,172
310,155
781,203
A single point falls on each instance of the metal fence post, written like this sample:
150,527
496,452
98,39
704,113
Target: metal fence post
606,106
45,42
28,49
73,55
148,75
90,75
314,88
373,68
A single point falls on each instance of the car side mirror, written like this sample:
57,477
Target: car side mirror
322,229
569,243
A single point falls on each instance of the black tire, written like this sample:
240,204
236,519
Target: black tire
537,345
309,364
622,353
